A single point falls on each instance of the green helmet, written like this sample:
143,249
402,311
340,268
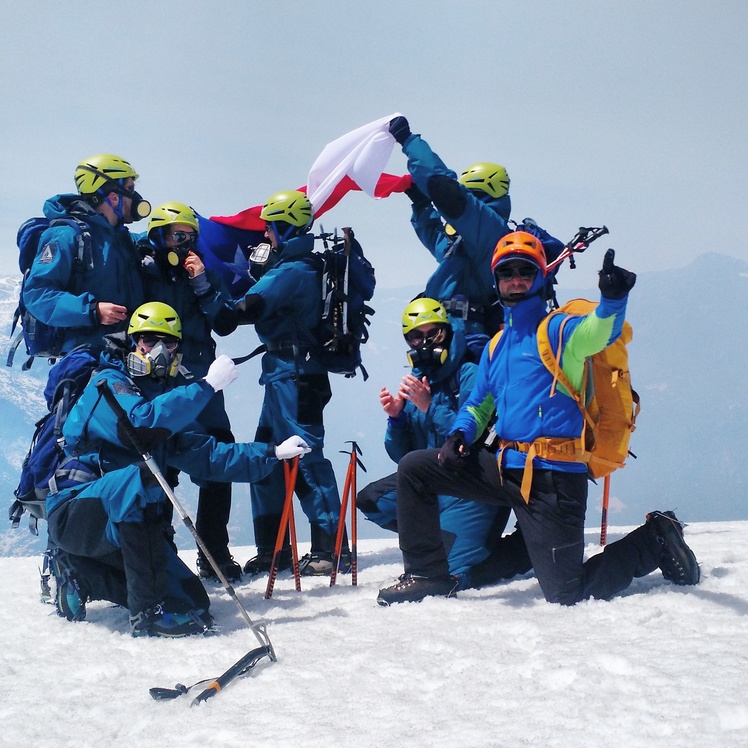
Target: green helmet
423,311
167,213
155,316
291,207
93,173
490,178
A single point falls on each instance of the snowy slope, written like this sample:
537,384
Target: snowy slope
658,666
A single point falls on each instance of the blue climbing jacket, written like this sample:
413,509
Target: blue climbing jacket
292,300
165,420
62,296
464,266
513,381
212,312
451,384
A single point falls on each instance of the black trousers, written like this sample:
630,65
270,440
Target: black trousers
552,524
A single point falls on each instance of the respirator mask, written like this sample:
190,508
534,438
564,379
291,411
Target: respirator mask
427,350
260,260
160,362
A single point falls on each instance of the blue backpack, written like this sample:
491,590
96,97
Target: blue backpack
42,340
67,380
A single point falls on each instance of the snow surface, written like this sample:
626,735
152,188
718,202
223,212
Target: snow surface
657,666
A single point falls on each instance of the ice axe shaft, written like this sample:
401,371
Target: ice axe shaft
291,470
129,430
349,493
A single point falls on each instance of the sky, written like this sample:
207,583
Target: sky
659,666
626,113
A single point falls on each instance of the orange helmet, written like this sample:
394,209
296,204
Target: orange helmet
520,245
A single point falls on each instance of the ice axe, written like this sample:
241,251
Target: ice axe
349,491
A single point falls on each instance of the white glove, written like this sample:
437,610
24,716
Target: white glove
222,373
292,447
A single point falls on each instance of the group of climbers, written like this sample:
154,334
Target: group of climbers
149,307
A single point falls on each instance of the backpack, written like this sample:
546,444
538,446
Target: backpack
42,340
552,246
67,380
608,403
347,283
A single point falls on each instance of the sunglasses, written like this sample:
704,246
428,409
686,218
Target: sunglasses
184,238
151,340
524,272
420,337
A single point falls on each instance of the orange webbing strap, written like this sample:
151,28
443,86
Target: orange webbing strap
559,449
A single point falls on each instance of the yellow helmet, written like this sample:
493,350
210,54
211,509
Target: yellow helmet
491,178
155,316
173,212
93,173
423,311
292,207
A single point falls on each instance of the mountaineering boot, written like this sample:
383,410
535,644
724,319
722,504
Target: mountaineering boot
70,599
261,563
229,568
45,591
318,562
677,561
412,589
157,622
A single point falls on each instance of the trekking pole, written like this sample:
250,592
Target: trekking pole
581,241
291,470
287,520
129,430
604,519
349,492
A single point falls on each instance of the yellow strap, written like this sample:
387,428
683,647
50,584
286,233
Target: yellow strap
558,449
527,475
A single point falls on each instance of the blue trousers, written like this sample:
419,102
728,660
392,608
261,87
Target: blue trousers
116,533
294,406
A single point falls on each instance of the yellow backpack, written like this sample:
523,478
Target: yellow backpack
608,403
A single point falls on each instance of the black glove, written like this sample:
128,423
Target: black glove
399,129
416,196
615,282
250,308
454,451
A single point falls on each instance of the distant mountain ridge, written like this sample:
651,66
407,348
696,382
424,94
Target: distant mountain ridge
687,364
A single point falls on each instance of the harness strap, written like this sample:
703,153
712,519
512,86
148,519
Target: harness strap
560,449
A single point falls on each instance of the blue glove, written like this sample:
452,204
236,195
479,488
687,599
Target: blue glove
399,129
615,282
454,451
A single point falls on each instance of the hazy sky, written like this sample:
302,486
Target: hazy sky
629,113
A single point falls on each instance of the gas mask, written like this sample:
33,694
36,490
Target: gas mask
431,351
140,208
158,363
261,259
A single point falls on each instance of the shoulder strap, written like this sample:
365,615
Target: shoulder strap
494,342
552,362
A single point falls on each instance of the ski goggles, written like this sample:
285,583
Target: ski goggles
420,337
170,344
523,272
185,238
